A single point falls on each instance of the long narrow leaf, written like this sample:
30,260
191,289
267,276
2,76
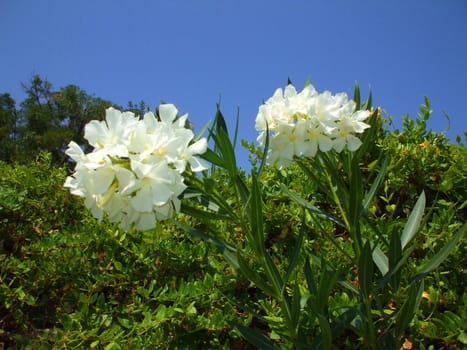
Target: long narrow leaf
296,253
310,280
356,96
440,256
367,104
254,276
201,132
310,207
202,214
234,143
409,308
413,223
260,341
219,121
265,153
242,189
380,259
356,193
213,158
406,254
326,334
256,214
365,270
395,255
223,144
296,298
225,249
375,186
273,273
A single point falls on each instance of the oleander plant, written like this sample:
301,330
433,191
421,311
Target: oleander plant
342,233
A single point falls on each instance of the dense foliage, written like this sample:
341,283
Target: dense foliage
67,281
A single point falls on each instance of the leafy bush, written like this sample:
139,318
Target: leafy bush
67,281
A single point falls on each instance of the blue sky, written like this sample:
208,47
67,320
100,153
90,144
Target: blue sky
193,52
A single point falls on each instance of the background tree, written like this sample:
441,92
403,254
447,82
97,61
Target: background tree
8,127
46,120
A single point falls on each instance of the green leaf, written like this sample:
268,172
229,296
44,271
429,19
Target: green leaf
225,249
413,223
273,273
310,280
256,215
201,132
327,282
296,298
440,256
406,254
356,96
355,204
375,186
380,259
213,158
295,254
395,254
223,144
408,309
310,207
254,276
265,152
365,270
367,104
236,128
257,339
202,214
326,334
242,189
219,121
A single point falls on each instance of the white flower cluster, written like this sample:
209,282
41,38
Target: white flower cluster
134,172
301,123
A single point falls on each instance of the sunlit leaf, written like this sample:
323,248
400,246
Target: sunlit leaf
413,223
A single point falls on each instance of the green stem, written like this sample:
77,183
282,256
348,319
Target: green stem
338,203
280,296
370,337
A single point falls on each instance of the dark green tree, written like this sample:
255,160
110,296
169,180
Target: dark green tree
48,119
8,127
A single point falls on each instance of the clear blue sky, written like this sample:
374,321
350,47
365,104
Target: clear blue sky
192,52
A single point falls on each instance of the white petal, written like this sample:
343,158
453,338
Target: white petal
164,212
353,143
145,221
143,201
339,144
325,143
160,195
75,152
126,181
150,121
199,147
95,131
100,180
198,164
90,203
113,118
167,112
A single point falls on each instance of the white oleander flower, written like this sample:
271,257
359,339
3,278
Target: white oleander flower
134,173
300,124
